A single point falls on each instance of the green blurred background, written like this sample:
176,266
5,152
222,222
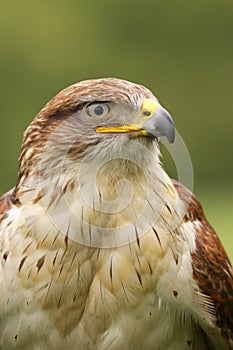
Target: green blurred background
180,49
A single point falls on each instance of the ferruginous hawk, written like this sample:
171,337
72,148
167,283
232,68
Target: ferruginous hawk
100,249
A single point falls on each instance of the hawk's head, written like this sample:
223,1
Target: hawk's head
94,117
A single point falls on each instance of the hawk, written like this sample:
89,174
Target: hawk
100,249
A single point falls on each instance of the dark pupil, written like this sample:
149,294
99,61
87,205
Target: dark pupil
98,110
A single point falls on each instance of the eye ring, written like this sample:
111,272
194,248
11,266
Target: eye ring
97,109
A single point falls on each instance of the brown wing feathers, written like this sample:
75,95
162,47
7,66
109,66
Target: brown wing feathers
211,266
5,204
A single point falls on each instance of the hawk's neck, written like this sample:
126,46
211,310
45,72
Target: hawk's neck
92,204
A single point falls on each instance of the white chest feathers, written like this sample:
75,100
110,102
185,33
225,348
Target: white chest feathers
57,293
77,275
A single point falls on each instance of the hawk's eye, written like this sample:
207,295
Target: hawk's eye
98,109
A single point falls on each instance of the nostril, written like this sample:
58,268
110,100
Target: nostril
147,113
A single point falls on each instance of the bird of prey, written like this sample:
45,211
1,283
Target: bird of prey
100,249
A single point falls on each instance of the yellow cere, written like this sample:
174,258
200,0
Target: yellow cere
149,108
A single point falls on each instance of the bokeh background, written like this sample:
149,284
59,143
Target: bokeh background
182,50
